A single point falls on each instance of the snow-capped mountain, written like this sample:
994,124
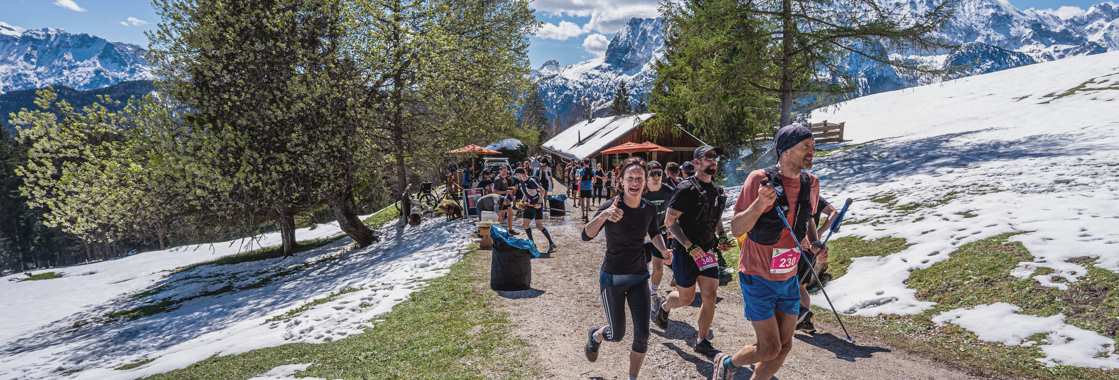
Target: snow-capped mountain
630,57
991,35
40,57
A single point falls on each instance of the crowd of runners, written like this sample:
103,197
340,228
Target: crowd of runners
669,217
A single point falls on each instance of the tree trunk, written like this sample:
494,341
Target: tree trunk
788,32
343,205
285,219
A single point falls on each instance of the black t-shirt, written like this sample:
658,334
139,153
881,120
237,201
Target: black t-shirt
625,240
659,199
485,183
530,183
698,202
500,184
821,204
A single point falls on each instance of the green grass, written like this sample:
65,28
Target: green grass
449,329
842,251
979,273
41,276
382,217
307,306
141,311
135,364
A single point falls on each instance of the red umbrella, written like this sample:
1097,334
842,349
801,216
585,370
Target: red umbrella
631,147
474,149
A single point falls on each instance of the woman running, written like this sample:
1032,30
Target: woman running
624,277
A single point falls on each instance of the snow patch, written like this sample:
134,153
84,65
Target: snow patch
285,372
1064,344
215,309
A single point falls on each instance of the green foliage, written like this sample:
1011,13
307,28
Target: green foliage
41,276
715,74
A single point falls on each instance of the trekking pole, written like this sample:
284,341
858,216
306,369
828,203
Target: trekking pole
781,215
838,219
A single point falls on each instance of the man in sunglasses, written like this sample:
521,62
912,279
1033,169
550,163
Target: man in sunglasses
658,193
692,218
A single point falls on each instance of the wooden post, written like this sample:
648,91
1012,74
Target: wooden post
842,126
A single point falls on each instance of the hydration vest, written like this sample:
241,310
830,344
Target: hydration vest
767,230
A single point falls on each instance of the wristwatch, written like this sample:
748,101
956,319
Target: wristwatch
817,244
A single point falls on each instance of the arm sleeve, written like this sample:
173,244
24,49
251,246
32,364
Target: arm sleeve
814,197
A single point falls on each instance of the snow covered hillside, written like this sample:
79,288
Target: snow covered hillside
1032,150
146,309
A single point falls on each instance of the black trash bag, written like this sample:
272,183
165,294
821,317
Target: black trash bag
510,265
557,205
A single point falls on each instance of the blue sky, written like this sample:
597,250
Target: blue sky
573,30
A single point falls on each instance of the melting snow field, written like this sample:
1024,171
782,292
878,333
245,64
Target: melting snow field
61,327
1032,150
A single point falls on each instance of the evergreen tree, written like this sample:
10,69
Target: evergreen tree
247,74
713,79
620,106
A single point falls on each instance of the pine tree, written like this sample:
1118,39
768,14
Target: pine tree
252,103
713,79
620,106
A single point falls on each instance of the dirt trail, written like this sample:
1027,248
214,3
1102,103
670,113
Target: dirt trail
554,317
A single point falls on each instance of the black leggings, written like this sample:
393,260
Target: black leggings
617,290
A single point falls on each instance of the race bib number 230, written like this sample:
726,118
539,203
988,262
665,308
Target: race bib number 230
784,260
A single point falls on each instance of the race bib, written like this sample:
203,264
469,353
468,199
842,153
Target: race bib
705,261
784,260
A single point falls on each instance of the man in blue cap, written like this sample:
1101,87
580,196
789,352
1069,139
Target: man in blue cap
768,262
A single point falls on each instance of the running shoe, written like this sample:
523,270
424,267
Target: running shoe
704,347
806,324
661,313
592,347
723,368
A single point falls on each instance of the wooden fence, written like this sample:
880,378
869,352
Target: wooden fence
826,132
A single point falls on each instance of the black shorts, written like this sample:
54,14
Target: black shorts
585,193
804,265
684,270
532,213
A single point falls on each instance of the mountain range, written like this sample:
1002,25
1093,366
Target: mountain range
37,58
990,35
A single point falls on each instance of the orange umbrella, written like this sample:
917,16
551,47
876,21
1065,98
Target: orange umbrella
474,149
631,147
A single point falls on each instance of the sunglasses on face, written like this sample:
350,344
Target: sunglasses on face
656,173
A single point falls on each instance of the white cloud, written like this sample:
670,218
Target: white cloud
607,16
132,21
1066,12
596,44
69,4
563,31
